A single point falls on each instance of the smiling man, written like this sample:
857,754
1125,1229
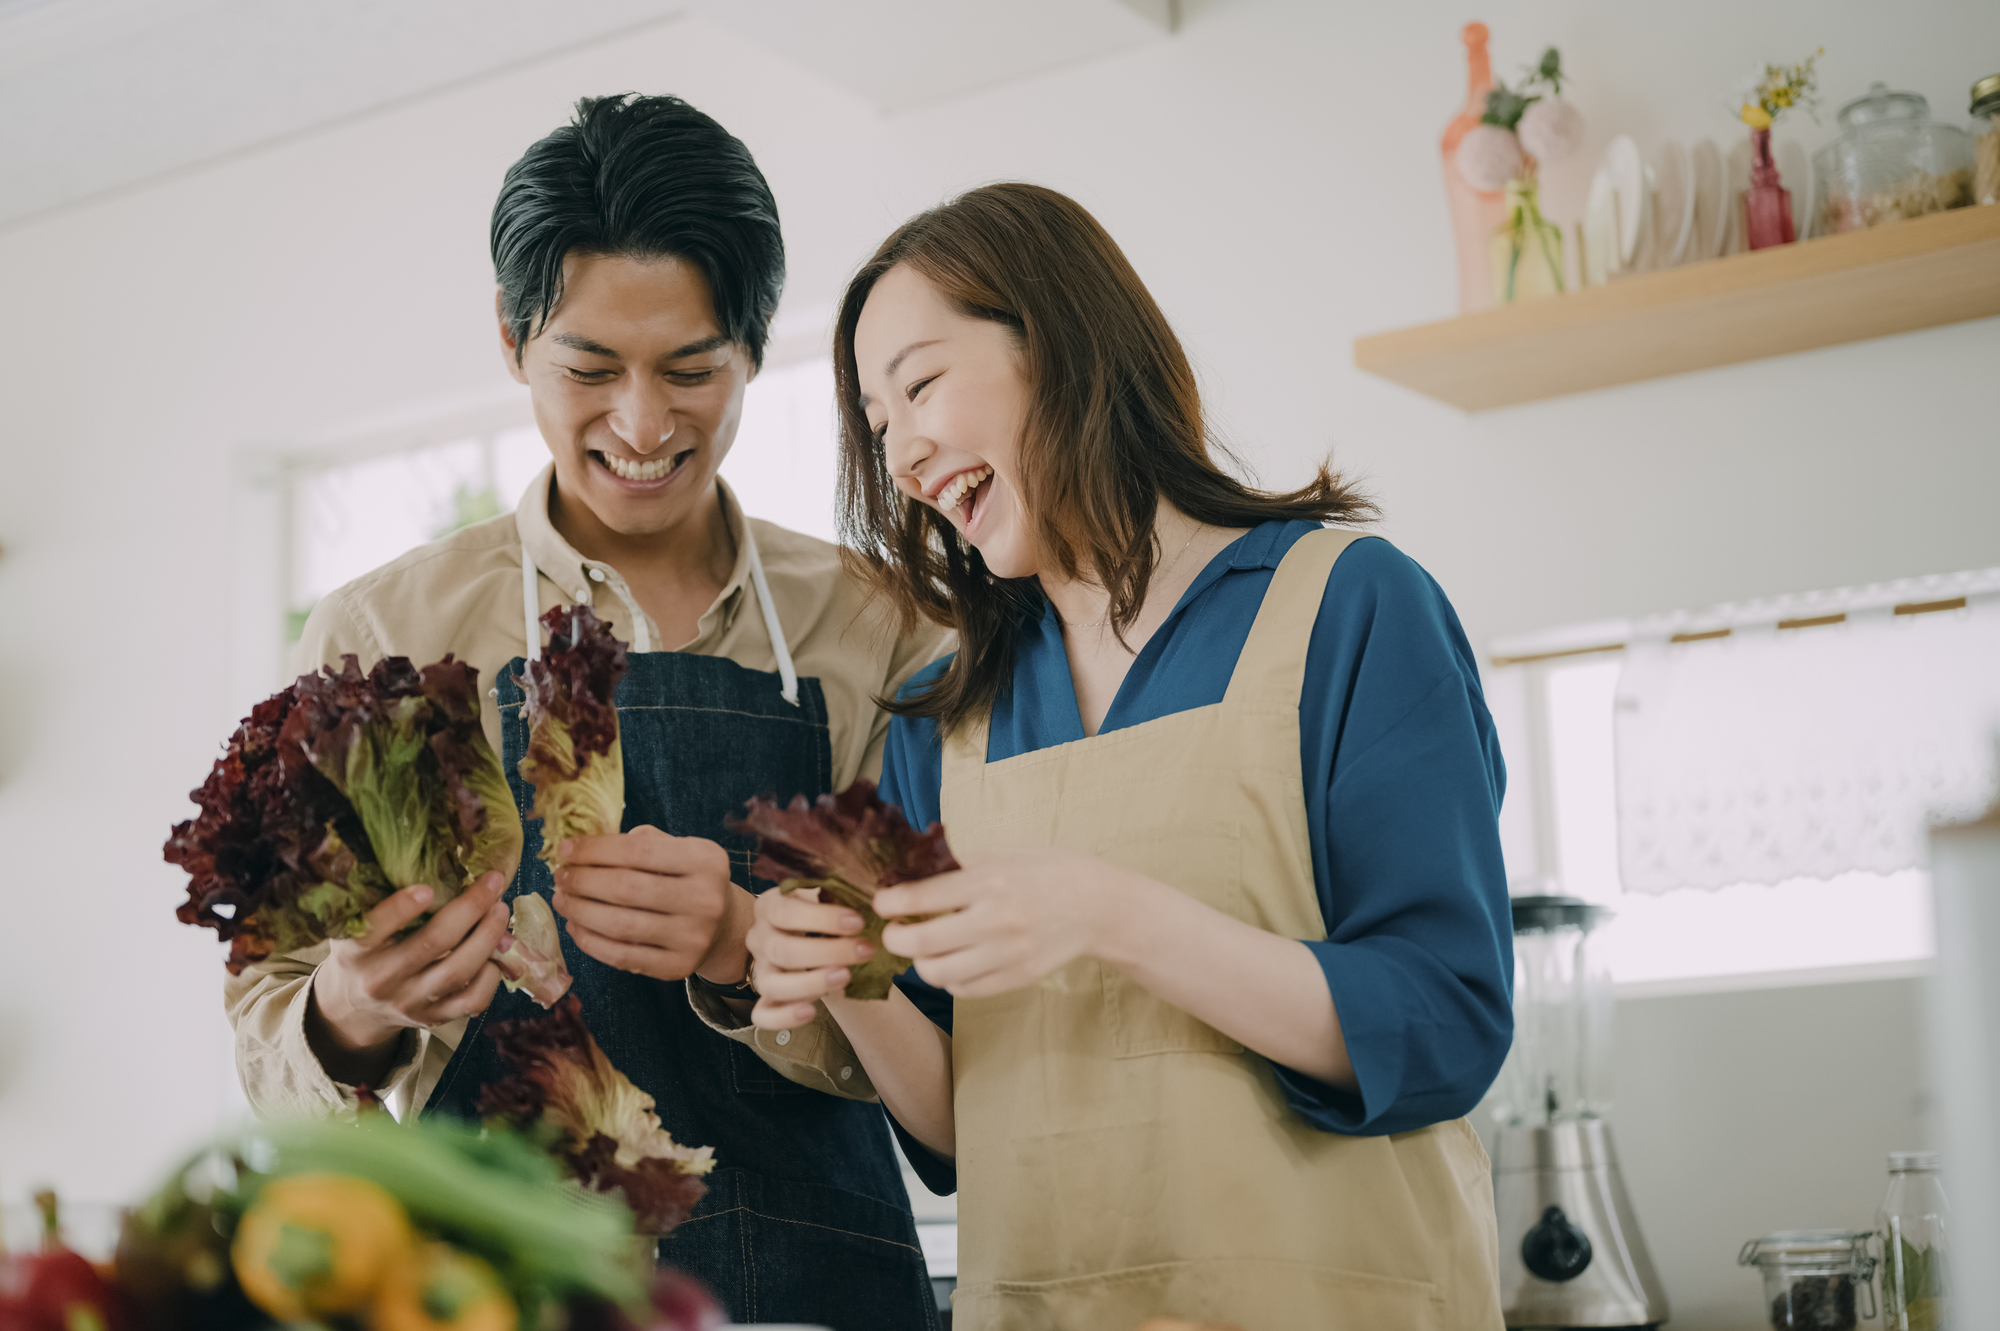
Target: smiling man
639,263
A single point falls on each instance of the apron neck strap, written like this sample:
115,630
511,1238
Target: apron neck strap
1274,655
788,675
531,604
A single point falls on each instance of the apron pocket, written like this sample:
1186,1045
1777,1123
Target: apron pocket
1201,860
751,1075
1254,1295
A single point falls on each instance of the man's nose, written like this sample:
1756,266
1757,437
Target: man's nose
643,415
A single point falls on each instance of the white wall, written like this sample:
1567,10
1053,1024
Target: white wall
1271,170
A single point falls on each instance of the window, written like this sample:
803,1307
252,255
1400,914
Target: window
354,505
1773,788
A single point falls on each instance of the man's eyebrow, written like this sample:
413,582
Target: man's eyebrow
896,360
695,348
578,342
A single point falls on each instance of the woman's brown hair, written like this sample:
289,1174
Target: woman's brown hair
1113,424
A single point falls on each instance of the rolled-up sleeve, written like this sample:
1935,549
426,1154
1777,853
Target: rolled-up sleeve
281,1075
1404,769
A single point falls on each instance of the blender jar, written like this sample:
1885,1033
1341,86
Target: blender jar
1915,1287
1891,161
1986,140
1559,1067
1814,1279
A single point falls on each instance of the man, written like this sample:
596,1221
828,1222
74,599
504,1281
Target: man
639,262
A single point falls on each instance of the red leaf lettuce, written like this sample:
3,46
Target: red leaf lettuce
574,760
848,846
562,1089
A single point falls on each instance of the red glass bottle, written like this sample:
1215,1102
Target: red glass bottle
1767,205
1475,214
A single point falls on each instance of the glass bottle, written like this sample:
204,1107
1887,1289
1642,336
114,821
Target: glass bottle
1767,204
1814,1279
1527,250
1475,214
1891,161
1912,1222
1986,139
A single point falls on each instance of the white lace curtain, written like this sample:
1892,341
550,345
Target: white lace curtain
1768,753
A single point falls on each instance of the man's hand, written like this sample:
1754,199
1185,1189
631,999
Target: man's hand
370,989
654,904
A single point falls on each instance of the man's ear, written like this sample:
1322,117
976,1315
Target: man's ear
510,350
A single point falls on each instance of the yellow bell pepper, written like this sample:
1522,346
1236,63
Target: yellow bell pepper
439,1288
318,1243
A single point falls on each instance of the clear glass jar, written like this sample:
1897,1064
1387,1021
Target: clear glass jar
1527,249
1890,162
1986,140
1814,1279
1916,1291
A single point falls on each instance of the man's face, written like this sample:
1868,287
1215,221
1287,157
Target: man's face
636,391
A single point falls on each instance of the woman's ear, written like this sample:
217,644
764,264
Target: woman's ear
510,350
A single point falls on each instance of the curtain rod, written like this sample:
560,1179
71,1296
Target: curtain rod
1813,621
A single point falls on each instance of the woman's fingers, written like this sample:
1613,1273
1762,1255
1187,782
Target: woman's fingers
933,896
773,1016
946,933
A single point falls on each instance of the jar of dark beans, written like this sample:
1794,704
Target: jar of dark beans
1814,1279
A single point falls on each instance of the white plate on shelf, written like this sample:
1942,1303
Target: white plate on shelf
1736,173
1597,233
1795,174
1673,204
1628,190
1711,217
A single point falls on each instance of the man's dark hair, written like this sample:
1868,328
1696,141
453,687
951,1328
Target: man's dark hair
648,178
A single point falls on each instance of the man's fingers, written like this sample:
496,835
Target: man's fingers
459,965
474,997
627,957
643,927
648,849
637,888
448,928
392,913
947,891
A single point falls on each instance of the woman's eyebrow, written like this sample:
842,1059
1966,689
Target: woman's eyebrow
894,361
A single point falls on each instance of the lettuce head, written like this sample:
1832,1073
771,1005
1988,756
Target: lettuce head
574,760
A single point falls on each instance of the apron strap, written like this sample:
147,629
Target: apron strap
531,604
1274,655
788,675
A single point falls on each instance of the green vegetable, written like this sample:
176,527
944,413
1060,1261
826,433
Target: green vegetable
574,760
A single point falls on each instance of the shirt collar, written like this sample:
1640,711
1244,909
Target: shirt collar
568,569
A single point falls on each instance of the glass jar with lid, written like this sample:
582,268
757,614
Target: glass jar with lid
1986,140
1890,162
1915,1285
1814,1279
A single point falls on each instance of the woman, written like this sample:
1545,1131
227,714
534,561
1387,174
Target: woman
1229,958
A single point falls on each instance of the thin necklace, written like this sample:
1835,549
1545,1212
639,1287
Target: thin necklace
1100,623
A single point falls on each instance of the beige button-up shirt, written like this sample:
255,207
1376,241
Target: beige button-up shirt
463,594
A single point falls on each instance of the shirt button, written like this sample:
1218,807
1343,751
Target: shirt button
784,1037
847,1074
583,596
597,575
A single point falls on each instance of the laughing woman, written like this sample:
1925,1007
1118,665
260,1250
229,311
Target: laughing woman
1229,960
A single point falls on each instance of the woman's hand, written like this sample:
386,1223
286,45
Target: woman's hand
1006,922
802,948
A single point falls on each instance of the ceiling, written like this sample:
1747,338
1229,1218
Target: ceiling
98,96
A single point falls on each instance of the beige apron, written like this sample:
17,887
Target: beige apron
1120,1160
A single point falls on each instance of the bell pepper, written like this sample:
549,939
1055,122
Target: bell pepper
319,1243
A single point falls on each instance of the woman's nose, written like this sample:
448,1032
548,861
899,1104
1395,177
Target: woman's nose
642,415
905,451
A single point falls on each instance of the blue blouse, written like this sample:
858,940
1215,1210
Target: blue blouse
1403,781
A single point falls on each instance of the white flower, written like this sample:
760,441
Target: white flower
1550,129
1488,157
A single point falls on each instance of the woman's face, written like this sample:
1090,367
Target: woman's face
944,395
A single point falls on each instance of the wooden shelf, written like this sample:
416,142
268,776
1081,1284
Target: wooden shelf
1933,270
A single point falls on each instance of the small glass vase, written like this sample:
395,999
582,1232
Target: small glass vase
1767,205
1527,250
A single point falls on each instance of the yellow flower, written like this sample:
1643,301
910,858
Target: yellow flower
1756,117
1782,96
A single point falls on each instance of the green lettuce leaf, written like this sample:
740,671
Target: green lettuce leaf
574,760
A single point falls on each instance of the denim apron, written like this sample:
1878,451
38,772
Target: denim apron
806,1218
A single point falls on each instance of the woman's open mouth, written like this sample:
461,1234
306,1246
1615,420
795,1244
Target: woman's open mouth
963,494
648,475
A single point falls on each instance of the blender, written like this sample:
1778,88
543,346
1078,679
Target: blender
1571,1254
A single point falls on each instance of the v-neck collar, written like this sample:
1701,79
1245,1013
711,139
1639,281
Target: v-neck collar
1254,549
